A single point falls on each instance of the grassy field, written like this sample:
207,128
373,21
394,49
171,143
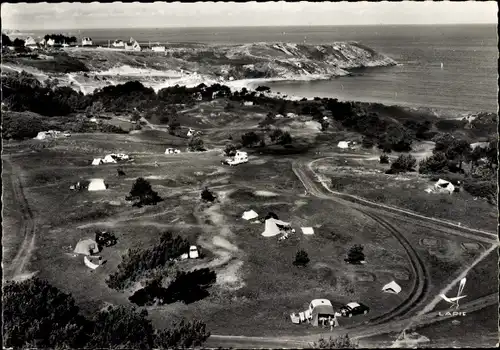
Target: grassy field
365,177
257,285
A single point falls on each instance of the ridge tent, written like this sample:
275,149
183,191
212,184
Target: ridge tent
307,230
392,287
110,158
97,161
97,185
343,144
272,227
321,312
86,247
249,215
444,186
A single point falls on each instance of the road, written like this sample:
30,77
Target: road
396,319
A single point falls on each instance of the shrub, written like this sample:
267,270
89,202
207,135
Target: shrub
384,159
139,261
324,125
36,314
434,164
249,139
207,195
367,142
483,189
195,144
189,287
230,150
301,258
182,335
355,254
402,164
142,191
341,342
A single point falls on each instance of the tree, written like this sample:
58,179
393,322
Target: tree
95,110
36,314
123,328
437,163
182,335
324,125
249,139
341,342
442,142
458,150
367,142
404,163
173,125
355,254
195,144
230,150
384,159
263,89
207,195
18,42
301,258
6,40
142,191
51,83
136,116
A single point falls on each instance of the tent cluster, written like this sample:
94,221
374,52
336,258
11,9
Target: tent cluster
318,312
273,226
51,134
111,158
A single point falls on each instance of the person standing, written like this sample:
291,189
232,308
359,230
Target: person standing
330,319
335,320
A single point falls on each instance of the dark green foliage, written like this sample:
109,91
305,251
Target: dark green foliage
268,120
105,239
324,125
249,139
384,159
18,42
230,150
182,335
38,315
207,195
61,39
143,193
436,163
341,342
19,126
263,89
301,258
483,189
121,327
367,142
404,163
173,125
6,40
195,144
396,138
355,254
139,261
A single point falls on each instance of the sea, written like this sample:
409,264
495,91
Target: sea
440,67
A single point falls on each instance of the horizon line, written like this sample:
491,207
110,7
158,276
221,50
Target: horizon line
267,26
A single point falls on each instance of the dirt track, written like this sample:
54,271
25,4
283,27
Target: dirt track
27,230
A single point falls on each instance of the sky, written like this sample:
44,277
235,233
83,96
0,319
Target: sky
43,16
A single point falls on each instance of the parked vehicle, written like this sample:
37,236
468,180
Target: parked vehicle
353,309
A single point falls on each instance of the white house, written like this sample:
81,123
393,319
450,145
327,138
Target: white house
30,42
118,44
86,41
158,48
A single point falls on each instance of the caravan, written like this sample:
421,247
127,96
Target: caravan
239,158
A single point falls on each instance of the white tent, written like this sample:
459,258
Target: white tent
97,185
343,144
271,228
42,135
307,230
444,186
86,247
392,287
109,159
89,263
97,161
249,215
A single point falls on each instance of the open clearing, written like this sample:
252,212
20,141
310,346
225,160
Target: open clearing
257,285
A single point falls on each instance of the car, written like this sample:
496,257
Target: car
353,309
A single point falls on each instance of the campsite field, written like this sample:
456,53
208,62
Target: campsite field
364,177
257,285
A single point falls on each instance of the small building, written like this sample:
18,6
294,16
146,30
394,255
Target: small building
87,41
118,44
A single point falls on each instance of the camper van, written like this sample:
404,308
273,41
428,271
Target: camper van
239,158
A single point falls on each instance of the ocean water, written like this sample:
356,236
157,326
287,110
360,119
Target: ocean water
467,81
